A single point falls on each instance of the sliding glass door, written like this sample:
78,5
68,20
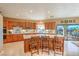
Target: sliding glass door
70,31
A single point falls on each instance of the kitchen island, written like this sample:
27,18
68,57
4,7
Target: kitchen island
39,38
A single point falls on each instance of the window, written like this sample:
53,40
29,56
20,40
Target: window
73,30
40,28
60,30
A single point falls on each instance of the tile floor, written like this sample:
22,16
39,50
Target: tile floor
17,49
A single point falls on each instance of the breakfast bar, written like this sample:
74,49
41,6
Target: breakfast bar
46,43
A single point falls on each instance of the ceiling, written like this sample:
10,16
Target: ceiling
39,11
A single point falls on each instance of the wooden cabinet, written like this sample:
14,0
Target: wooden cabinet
30,25
26,45
27,25
5,23
8,39
20,37
21,24
34,26
17,24
24,25
13,38
9,23
39,40
50,25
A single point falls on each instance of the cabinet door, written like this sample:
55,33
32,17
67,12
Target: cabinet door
15,37
20,37
28,25
33,25
5,23
46,25
8,39
19,24
15,23
52,25
49,25
24,25
9,24
26,45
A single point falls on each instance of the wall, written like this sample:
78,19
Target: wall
1,31
58,21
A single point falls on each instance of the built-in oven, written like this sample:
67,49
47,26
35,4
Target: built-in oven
4,30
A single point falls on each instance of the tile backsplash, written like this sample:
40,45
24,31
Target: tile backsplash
19,30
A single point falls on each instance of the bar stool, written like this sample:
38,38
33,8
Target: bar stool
52,44
34,48
59,46
45,45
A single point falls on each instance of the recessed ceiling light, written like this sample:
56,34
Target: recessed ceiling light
31,11
48,12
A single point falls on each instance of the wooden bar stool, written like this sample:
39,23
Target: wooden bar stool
34,48
59,46
45,45
52,44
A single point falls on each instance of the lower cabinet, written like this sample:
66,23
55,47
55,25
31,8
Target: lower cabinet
8,38
39,40
13,38
26,45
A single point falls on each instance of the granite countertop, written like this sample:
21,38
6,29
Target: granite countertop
37,34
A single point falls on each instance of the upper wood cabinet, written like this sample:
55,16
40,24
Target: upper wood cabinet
10,23
4,23
33,25
30,25
24,25
21,24
49,25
